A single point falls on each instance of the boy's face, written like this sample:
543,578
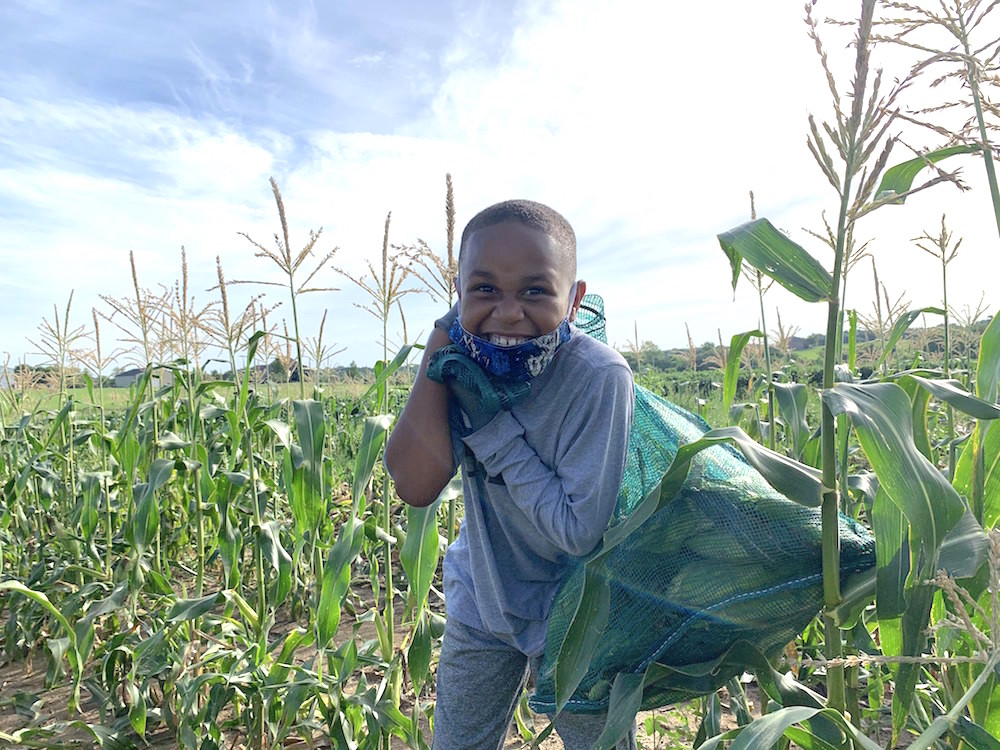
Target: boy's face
514,284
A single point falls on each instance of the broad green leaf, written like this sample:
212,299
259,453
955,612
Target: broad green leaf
171,441
991,470
965,549
920,400
419,553
336,579
892,556
769,728
136,710
384,373
736,347
282,665
585,630
418,656
146,518
280,429
988,364
902,324
281,562
953,392
792,400
626,697
773,253
898,180
72,653
880,414
371,444
975,736
913,624
191,609
308,500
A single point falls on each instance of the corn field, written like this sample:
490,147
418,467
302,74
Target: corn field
213,563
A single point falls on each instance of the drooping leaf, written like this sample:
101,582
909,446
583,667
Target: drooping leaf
901,326
953,392
190,609
385,372
736,347
281,562
776,255
898,180
880,413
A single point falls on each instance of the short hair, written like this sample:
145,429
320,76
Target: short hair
531,214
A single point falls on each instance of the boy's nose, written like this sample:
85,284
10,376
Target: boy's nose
508,311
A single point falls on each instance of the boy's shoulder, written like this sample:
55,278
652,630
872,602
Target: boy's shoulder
586,355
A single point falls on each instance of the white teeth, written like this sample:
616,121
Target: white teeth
506,340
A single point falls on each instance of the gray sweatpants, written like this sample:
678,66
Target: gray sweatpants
479,682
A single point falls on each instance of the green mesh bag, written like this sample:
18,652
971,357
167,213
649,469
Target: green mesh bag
729,559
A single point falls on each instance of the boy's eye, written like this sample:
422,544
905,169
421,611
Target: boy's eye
483,288
535,291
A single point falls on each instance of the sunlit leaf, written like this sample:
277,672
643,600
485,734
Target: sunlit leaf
898,180
776,255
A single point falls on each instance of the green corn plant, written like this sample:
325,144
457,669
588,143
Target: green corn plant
386,286
289,266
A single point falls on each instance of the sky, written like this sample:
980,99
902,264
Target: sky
140,126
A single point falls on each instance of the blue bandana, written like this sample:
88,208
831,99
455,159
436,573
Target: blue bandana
518,363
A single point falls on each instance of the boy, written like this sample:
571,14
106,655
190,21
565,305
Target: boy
540,480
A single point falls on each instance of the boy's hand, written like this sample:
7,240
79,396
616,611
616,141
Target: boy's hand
478,395
471,404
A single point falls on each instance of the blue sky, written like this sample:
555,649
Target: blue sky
145,126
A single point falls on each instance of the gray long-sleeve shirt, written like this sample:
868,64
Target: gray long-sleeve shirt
544,489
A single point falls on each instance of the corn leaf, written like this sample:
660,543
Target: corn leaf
274,553
975,736
773,253
371,444
190,609
146,518
988,364
623,705
882,420
902,324
420,551
769,728
418,656
736,347
953,392
308,498
899,179
892,555
792,400
585,630
383,372
336,580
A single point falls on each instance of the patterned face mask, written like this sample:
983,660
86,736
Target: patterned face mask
520,362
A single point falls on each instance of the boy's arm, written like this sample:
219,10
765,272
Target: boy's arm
571,504
419,454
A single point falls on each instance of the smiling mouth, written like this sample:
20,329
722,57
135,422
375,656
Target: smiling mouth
499,340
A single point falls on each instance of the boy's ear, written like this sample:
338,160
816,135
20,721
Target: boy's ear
581,290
